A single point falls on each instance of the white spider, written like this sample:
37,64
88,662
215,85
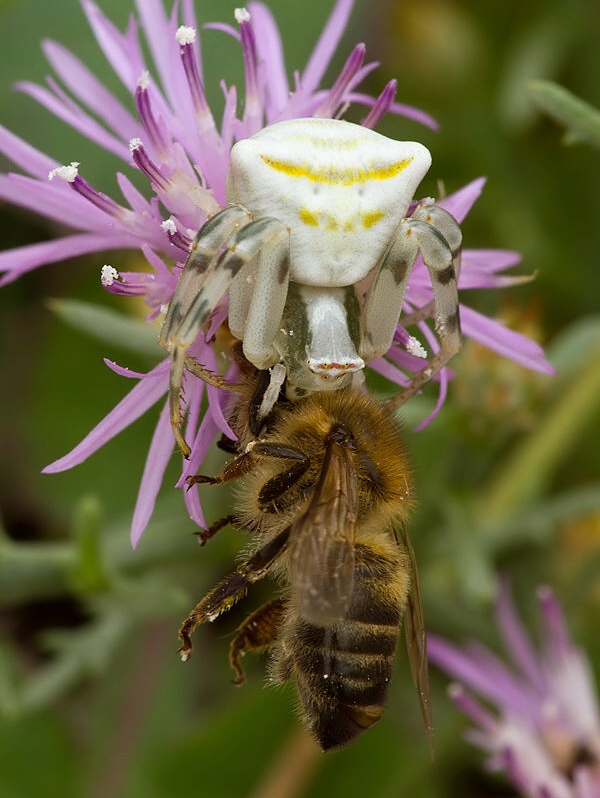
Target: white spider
316,207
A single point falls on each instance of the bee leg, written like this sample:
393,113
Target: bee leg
256,634
272,491
237,468
205,535
231,589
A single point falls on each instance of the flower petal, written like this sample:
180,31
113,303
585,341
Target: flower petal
145,394
159,455
90,91
18,261
505,342
326,46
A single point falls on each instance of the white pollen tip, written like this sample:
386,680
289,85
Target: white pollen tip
144,80
185,35
415,348
108,275
241,15
135,144
169,226
68,173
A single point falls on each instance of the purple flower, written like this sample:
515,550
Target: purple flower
174,140
546,735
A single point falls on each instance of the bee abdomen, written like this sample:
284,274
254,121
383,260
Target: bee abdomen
343,673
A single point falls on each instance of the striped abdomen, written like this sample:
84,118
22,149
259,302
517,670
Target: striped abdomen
343,671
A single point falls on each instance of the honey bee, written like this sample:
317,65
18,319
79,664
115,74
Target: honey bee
325,488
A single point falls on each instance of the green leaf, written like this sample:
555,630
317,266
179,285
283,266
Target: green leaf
37,758
108,325
581,119
89,575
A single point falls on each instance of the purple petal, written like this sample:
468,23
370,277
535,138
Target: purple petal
389,371
121,51
505,342
90,91
479,670
516,639
270,54
472,708
204,438
460,203
189,17
135,199
558,639
75,117
490,260
25,156
54,200
159,455
145,394
442,394
409,111
326,46
160,36
20,260
123,371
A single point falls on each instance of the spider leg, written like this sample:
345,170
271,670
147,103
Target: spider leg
226,243
197,293
259,290
231,589
444,223
432,232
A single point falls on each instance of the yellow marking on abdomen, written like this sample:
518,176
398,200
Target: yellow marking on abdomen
331,222
309,218
371,218
332,176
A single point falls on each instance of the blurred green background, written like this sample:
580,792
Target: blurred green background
93,698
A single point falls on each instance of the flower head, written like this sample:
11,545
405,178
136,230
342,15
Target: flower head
546,735
171,136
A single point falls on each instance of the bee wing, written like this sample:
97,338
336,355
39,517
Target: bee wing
416,645
322,541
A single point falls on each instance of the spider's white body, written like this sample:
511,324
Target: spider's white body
341,189
315,208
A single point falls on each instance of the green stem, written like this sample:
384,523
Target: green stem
527,471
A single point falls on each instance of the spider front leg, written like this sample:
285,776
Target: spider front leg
432,232
225,244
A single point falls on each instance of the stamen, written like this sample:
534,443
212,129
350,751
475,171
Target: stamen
68,173
336,94
147,117
415,347
176,235
252,112
145,164
382,105
241,15
108,275
186,37
71,175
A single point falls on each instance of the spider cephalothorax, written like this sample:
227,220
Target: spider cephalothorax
315,248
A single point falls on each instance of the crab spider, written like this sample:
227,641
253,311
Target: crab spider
316,208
